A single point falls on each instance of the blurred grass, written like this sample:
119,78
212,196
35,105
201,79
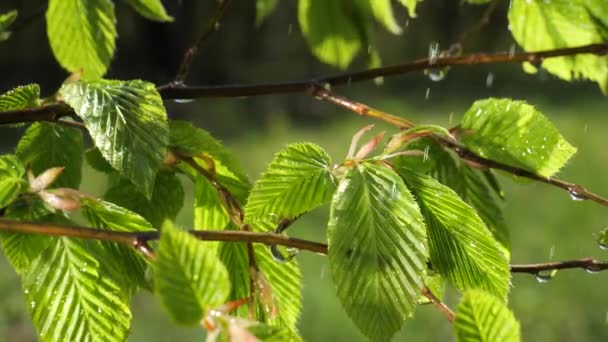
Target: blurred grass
573,306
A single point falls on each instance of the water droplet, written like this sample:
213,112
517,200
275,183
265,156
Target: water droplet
433,52
32,304
603,246
183,100
436,74
543,278
428,93
592,269
575,194
282,258
552,252
99,310
490,80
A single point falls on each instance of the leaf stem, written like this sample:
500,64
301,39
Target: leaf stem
447,312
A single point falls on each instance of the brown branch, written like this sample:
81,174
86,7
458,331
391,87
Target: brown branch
212,26
51,113
589,264
447,312
173,91
576,191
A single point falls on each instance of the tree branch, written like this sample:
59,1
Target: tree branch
212,26
589,264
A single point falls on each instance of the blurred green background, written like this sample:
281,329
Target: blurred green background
545,223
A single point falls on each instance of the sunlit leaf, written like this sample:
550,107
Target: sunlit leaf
547,25
12,180
128,123
462,249
151,9
515,133
96,161
297,180
71,298
377,249
82,35
45,145
188,278
166,201
21,97
382,10
481,317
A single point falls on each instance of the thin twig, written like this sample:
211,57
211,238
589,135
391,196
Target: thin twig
173,91
212,26
589,264
481,23
448,313
576,191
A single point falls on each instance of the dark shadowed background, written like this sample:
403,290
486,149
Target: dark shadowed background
545,223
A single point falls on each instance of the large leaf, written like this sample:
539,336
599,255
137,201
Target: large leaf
481,317
462,248
12,180
545,25
128,123
298,179
166,201
151,9
515,133
22,97
331,30
377,249
188,277
108,216
45,145
82,35
71,298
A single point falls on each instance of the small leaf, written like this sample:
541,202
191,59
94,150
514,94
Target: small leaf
410,5
515,133
12,181
377,249
462,249
128,123
151,9
481,317
45,145
188,277
263,8
548,25
330,30
298,180
82,35
6,20
71,298
382,10
166,201
22,97
96,161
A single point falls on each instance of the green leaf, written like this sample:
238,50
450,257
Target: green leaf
547,25
263,8
209,213
128,123
166,201
462,249
96,161
22,97
377,249
12,181
82,35
71,298
188,277
382,10
151,9
45,145
6,20
481,317
109,216
297,180
22,249
515,133
410,5
234,257
330,30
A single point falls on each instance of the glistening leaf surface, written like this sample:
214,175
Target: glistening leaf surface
189,278
70,298
45,145
515,133
462,249
298,179
128,123
82,34
377,249
21,97
12,183
481,317
546,25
